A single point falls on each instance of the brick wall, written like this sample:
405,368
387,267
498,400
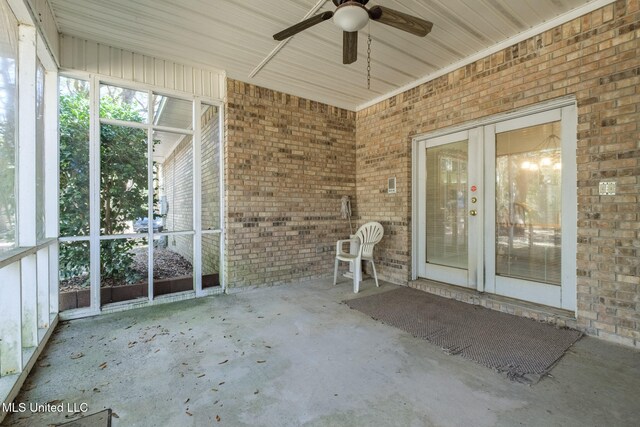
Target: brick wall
288,162
177,172
594,58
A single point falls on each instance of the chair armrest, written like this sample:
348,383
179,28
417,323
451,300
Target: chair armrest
342,242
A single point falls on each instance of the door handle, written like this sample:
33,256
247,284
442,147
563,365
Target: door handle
473,212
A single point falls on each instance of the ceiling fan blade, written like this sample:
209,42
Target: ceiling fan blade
349,47
402,21
303,25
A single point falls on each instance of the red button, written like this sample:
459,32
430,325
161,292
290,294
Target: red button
474,188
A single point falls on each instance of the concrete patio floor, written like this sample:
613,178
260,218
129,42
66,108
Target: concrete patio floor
294,355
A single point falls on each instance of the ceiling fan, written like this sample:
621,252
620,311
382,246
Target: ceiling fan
351,16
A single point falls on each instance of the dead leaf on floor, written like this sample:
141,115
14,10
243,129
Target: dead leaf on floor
201,375
114,415
54,402
256,392
96,390
223,362
261,361
103,365
189,413
44,364
187,401
152,338
218,418
77,355
268,346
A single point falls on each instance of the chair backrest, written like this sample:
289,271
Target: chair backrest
369,234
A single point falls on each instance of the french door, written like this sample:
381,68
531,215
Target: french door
497,207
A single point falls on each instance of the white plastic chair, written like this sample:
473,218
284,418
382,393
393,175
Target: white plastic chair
367,236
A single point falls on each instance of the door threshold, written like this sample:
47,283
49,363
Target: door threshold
539,312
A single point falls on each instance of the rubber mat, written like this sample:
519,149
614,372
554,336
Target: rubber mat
523,348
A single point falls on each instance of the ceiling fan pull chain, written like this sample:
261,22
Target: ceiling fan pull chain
369,62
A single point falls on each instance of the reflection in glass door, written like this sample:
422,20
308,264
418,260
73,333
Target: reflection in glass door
528,203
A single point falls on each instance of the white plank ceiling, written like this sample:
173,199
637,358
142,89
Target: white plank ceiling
236,35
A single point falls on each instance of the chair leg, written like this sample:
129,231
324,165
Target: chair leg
335,272
375,275
357,274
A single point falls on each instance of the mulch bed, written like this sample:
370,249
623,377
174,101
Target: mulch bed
166,264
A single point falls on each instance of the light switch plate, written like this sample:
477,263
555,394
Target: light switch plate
607,188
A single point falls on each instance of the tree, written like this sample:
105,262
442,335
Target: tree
123,181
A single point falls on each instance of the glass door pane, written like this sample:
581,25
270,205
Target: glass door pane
446,205
528,203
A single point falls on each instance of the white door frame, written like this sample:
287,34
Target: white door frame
565,108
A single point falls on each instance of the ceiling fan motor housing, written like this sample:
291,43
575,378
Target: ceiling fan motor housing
351,16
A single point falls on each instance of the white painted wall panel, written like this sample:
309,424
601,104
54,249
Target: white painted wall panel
188,79
127,65
116,62
158,68
169,75
85,55
46,21
138,68
104,60
149,68
179,77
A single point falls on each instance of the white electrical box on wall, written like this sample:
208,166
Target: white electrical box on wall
391,185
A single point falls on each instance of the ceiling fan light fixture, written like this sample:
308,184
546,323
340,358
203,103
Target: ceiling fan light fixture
351,16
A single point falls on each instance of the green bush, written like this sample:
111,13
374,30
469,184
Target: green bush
123,182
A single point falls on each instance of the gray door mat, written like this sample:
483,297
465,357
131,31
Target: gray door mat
522,348
99,419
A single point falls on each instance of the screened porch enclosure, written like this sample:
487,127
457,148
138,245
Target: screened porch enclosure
130,192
